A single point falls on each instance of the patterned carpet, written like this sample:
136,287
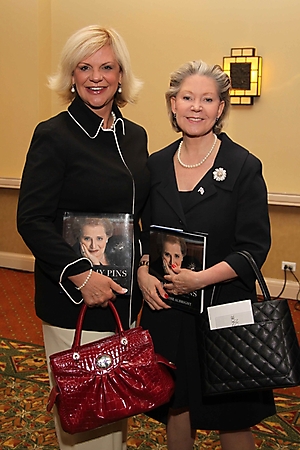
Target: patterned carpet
24,422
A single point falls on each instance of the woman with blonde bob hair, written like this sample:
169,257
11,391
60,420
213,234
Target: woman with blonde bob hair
90,160
83,44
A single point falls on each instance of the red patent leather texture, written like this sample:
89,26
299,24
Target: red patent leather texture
108,380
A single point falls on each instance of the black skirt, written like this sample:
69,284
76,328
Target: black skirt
174,335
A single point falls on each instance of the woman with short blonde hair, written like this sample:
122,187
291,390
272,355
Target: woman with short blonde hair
83,44
90,160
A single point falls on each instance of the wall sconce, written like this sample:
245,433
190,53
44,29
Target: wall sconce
244,70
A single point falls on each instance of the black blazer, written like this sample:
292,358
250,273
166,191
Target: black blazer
233,212
66,170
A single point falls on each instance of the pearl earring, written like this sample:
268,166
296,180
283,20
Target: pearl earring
120,89
73,88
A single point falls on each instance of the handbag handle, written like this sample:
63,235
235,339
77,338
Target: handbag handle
258,274
78,331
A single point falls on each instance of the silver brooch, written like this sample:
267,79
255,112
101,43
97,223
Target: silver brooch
219,174
201,190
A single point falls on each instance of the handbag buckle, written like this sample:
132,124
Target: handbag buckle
104,361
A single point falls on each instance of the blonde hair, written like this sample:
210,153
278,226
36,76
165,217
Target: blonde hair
200,68
84,43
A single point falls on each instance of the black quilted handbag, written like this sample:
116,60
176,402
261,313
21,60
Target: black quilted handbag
263,355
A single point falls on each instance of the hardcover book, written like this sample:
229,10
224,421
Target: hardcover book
105,239
186,250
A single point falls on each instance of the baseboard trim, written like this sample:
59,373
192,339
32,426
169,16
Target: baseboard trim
291,289
17,261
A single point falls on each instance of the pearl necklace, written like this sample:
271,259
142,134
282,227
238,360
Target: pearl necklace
99,128
192,166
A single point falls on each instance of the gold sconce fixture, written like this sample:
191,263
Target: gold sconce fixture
244,70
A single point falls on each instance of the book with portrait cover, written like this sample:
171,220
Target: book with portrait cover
187,250
105,239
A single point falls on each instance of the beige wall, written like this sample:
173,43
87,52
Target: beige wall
10,241
25,46
160,35
285,226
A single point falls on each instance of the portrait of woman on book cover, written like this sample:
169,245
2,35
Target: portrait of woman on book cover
94,234
168,252
172,250
105,240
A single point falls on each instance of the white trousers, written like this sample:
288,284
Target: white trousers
109,437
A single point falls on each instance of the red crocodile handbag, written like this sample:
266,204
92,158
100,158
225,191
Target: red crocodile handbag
108,380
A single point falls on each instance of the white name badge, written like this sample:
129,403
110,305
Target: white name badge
230,315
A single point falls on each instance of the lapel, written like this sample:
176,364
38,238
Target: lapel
87,118
163,176
231,157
